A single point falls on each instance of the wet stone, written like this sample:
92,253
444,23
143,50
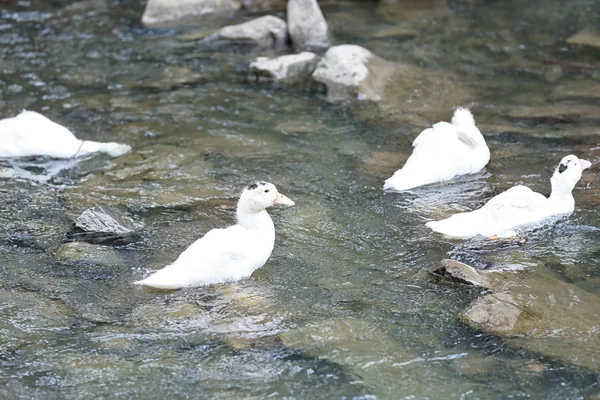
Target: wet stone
102,224
293,67
307,25
171,77
555,113
90,254
159,12
266,31
586,38
494,313
351,72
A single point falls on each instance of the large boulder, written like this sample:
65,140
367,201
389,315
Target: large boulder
307,25
352,72
292,67
268,30
163,11
532,309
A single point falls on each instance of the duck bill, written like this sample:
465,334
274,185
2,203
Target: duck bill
283,200
584,164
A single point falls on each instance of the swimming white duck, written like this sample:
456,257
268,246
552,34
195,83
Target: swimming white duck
517,207
230,254
32,134
443,152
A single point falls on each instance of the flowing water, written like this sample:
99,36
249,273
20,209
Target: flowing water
345,307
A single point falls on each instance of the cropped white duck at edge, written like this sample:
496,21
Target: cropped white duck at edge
230,254
517,207
31,134
443,152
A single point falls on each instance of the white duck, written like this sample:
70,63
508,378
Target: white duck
442,153
229,254
32,134
517,207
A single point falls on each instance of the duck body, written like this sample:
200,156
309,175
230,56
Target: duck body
518,207
229,254
31,134
443,152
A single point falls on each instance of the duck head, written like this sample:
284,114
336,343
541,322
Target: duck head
567,174
260,196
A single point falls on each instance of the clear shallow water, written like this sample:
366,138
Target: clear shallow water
344,308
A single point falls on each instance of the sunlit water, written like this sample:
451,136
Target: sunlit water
344,308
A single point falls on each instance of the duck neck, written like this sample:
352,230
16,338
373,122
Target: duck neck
254,220
561,191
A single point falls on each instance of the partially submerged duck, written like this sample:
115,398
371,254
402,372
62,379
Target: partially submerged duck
517,207
31,134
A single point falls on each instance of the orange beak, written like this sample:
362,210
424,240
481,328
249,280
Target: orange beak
283,200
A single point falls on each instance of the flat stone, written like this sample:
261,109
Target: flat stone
586,38
172,76
293,67
460,272
101,224
533,309
307,25
158,12
555,113
493,313
267,31
352,72
394,32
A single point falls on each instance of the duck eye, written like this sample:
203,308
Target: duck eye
267,191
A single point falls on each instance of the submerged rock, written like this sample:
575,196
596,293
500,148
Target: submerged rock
288,68
556,113
90,253
494,313
587,38
307,25
352,72
267,31
101,224
535,310
161,11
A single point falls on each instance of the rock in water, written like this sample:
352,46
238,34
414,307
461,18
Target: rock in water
352,72
534,310
161,11
307,25
293,67
267,30
101,224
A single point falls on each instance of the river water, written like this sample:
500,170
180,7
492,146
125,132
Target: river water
345,307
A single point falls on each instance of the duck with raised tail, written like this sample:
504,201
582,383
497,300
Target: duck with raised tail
517,207
31,134
230,254
443,152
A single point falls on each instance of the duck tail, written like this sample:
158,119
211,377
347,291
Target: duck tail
463,117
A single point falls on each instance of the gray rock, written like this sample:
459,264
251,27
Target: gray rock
460,272
289,67
494,313
307,25
532,309
161,11
268,30
101,224
352,72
